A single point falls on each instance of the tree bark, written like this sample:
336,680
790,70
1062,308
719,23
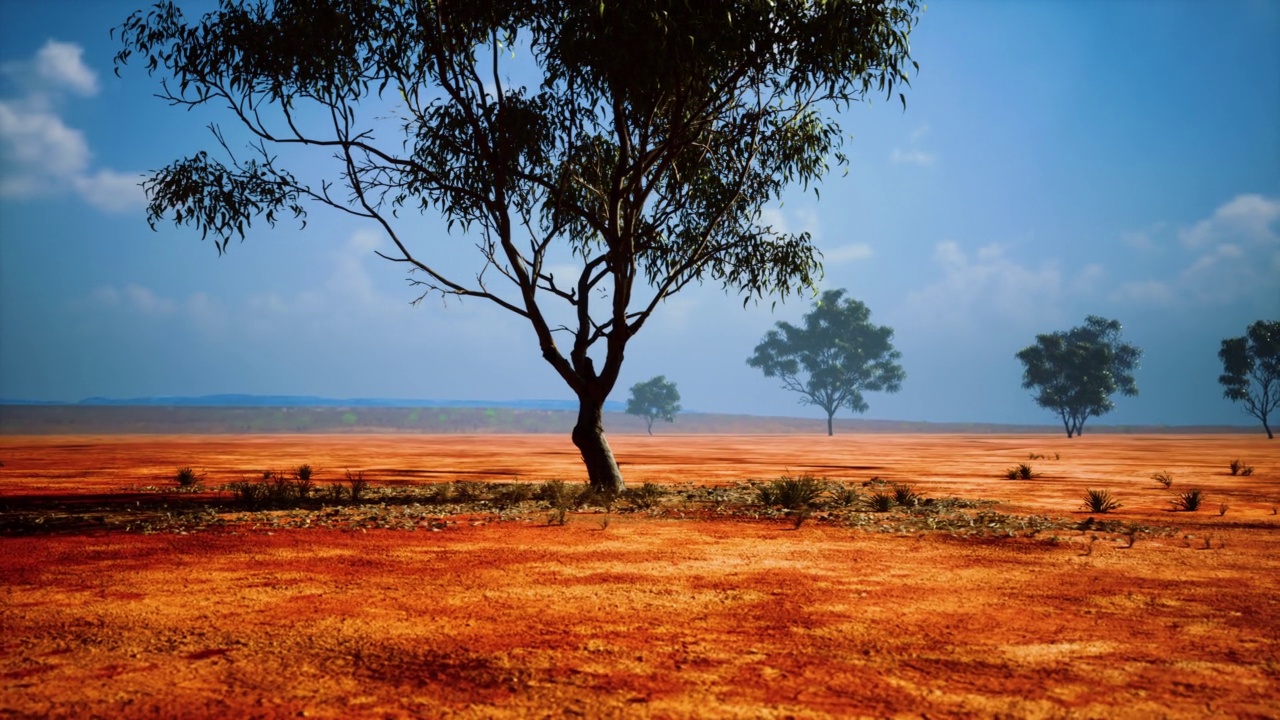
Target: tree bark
1267,427
829,430
588,436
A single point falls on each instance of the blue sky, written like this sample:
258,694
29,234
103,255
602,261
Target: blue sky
1055,160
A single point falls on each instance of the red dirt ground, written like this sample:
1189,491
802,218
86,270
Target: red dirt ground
651,617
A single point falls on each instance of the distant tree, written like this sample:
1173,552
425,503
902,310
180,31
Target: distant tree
639,153
1075,373
833,358
1251,370
655,399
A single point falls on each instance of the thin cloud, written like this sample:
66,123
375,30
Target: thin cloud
39,154
912,157
847,254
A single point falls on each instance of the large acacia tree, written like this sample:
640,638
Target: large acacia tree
1075,372
644,150
833,357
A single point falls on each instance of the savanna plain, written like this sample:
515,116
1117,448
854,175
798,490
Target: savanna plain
450,576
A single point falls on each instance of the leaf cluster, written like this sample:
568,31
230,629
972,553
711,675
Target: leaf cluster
1075,372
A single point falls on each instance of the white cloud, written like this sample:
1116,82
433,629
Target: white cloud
912,157
1249,218
60,64
988,284
1224,257
847,254
39,154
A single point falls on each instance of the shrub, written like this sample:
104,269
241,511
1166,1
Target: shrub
1190,501
464,491
645,497
186,478
1100,501
844,495
1222,509
589,495
249,494
555,493
512,494
792,493
880,501
905,495
303,472
303,487
1239,468
334,492
1023,471
1164,478
356,485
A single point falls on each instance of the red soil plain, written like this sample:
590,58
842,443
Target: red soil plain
651,614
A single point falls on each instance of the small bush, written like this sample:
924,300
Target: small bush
880,502
1189,501
645,497
513,494
845,495
1023,471
1164,478
467,492
303,472
905,495
1100,501
1222,509
249,494
186,478
334,492
356,485
792,493
303,486
1239,468
556,493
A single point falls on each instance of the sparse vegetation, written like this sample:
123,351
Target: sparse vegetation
356,485
1100,501
1022,471
844,495
1239,468
1189,501
906,496
1165,479
792,493
880,502
645,497
186,478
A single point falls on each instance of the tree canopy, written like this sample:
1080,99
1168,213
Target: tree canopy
654,399
643,152
1251,370
1075,373
835,356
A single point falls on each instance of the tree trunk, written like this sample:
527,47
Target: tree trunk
1066,423
1267,427
829,431
588,436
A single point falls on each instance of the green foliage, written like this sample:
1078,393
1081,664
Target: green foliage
1251,370
1189,501
792,493
1100,501
880,501
906,496
645,497
1075,373
835,356
356,485
844,495
186,478
642,140
654,399
1022,471
1165,479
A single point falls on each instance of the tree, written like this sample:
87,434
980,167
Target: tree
833,358
1251,370
643,151
654,399
1075,373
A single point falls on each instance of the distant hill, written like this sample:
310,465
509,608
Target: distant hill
469,418
281,401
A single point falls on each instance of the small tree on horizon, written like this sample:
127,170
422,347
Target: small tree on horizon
1251,370
654,399
600,157
1074,373
833,357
